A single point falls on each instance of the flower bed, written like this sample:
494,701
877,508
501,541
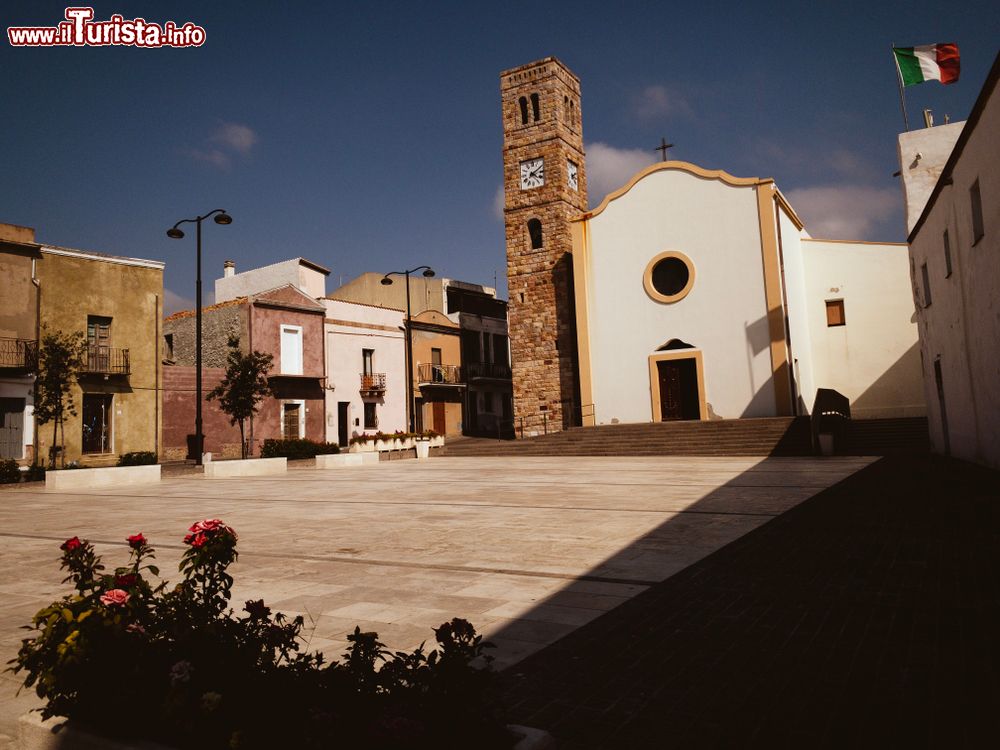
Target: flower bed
127,656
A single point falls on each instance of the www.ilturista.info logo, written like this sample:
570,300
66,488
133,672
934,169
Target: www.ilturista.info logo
80,30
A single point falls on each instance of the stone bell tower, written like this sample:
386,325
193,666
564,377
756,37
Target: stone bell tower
545,186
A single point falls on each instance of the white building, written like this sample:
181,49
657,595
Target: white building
699,295
366,370
955,266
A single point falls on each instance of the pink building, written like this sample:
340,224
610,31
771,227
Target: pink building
282,321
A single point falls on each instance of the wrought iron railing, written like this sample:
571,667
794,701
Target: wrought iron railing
19,353
373,382
439,374
107,360
495,370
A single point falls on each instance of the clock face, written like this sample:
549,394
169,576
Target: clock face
532,173
572,175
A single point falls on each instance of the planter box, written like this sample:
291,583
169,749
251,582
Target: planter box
250,467
368,447
58,734
337,460
112,476
437,442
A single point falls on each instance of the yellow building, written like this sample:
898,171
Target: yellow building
116,302
438,382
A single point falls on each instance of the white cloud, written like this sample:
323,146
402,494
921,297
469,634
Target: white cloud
844,212
659,101
609,168
228,139
174,302
498,200
235,137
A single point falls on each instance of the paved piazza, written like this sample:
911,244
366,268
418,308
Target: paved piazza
527,549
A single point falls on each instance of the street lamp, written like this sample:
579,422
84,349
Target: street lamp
221,217
386,281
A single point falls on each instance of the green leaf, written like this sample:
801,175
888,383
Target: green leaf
67,615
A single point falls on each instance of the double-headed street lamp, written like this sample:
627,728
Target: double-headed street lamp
428,273
221,217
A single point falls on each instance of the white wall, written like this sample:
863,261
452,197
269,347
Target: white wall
961,327
800,342
257,280
922,155
874,359
350,328
716,225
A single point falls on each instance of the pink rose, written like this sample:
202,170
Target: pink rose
114,598
210,527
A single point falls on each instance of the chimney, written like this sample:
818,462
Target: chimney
229,268
15,233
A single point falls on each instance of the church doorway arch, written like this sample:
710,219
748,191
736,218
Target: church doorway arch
677,383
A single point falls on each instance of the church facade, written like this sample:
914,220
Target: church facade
691,294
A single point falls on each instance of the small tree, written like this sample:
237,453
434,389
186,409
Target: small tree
60,359
244,386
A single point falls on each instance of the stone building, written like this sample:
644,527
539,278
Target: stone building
686,294
284,322
952,194
545,187
115,302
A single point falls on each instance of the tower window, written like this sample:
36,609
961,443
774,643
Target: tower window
572,112
524,110
535,232
534,107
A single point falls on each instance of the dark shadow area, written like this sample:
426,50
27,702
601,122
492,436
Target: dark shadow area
863,617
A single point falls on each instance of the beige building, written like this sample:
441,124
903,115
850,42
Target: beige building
115,302
955,269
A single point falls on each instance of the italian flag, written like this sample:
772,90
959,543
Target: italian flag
932,62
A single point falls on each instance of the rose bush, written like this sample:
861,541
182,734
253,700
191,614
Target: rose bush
179,666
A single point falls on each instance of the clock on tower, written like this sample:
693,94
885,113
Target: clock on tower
545,187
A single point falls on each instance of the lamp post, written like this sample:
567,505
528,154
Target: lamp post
386,281
221,217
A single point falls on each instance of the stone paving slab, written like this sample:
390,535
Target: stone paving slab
528,549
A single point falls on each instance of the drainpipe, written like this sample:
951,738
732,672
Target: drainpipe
38,342
156,376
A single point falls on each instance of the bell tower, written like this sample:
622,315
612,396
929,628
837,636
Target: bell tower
545,186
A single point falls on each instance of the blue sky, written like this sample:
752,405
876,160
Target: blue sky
367,136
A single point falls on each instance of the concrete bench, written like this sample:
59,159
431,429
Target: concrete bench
250,467
110,476
336,460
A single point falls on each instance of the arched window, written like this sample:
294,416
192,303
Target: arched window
524,110
534,107
535,232
572,112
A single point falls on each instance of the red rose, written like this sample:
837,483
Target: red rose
136,540
199,540
210,527
71,544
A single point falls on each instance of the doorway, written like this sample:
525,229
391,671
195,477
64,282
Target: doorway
11,428
96,423
677,387
440,425
343,410
291,417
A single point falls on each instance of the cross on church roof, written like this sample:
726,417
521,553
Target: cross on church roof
663,147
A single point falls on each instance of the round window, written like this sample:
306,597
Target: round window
669,277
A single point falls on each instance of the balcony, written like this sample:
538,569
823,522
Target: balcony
373,384
488,371
106,360
18,354
431,374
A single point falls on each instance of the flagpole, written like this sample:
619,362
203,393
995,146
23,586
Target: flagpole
899,80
